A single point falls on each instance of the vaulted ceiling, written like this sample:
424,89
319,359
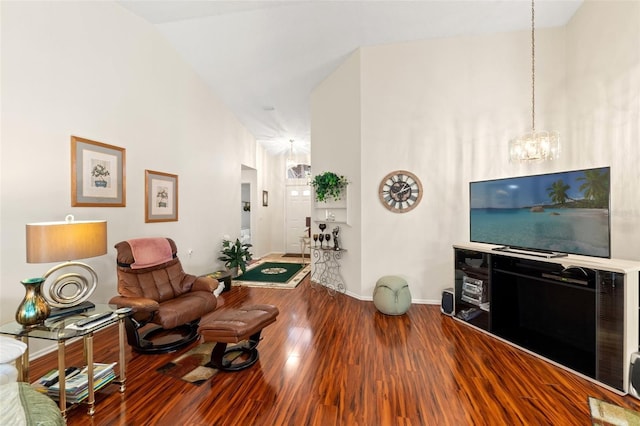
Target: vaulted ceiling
264,58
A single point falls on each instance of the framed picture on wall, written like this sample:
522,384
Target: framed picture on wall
265,198
161,197
97,174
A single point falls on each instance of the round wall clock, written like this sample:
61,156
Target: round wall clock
400,191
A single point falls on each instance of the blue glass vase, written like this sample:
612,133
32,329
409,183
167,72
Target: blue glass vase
34,308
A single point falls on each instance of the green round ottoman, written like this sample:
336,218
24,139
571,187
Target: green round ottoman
391,295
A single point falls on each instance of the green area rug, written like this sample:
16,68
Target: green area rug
273,275
606,414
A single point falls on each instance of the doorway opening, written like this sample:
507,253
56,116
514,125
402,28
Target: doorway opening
248,185
245,213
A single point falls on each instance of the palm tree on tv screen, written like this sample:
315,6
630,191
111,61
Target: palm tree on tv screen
558,192
595,187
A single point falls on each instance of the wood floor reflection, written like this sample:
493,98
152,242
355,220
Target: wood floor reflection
337,361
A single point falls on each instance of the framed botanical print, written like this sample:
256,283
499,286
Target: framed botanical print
161,197
97,174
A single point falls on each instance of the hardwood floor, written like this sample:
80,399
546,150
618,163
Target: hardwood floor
337,361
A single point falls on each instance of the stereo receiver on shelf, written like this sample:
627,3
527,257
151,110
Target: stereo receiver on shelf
474,291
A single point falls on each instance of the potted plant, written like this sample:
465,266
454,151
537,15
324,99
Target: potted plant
235,255
328,184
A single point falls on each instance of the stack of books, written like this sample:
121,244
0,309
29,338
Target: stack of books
76,382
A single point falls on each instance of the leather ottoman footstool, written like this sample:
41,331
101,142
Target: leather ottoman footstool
234,326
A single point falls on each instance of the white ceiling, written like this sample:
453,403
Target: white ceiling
264,58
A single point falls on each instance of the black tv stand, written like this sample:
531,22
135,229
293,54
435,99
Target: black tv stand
578,312
530,252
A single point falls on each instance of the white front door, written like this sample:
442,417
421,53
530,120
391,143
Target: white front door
298,208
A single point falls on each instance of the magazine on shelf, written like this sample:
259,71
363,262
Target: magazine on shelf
51,377
81,380
76,382
82,394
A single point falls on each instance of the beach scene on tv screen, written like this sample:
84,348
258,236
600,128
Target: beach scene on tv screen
564,212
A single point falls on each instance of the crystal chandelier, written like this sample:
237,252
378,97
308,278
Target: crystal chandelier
536,145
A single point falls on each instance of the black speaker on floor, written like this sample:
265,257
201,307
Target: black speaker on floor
634,375
447,305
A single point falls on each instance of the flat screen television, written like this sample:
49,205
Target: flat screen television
564,213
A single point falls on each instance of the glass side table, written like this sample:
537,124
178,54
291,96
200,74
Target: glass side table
61,329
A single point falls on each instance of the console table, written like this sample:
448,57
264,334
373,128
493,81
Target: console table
58,329
326,269
578,312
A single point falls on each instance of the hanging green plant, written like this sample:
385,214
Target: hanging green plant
328,184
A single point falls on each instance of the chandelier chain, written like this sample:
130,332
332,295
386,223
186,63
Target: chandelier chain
537,145
533,68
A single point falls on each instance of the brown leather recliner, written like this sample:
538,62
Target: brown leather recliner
151,281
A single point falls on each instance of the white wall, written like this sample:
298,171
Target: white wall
336,147
446,109
95,70
269,217
603,57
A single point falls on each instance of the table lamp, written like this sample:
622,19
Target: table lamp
66,241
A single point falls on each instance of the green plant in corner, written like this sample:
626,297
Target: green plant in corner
235,254
328,184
